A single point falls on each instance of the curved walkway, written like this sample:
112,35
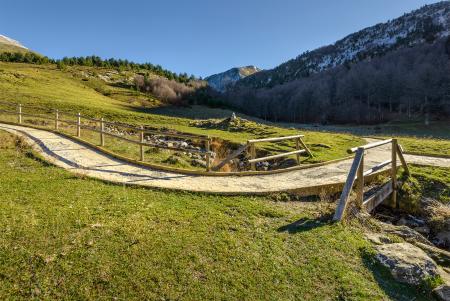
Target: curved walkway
79,158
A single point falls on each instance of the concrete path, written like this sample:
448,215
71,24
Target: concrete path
79,158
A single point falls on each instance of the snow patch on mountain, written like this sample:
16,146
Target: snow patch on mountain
9,41
221,81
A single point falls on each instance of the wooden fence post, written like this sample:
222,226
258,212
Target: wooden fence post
208,154
306,148
79,125
297,147
394,173
56,119
252,155
102,129
360,178
343,200
141,146
20,113
402,159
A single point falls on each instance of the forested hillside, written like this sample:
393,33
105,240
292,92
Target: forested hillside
395,70
405,83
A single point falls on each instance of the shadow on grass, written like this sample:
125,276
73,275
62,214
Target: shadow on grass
393,289
305,224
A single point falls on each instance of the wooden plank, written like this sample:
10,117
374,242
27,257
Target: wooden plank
102,130
78,125
306,148
275,139
376,199
343,201
252,155
277,156
402,159
377,167
208,155
230,157
37,116
394,173
368,146
360,182
141,146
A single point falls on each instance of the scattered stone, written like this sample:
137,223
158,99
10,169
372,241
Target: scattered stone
198,163
173,160
408,234
407,263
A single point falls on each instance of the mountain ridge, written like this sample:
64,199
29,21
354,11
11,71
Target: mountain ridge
222,81
8,44
427,23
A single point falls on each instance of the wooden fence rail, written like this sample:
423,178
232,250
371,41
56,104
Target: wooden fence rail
298,143
100,128
357,174
100,125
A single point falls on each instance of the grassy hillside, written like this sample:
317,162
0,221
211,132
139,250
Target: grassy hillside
11,48
83,89
70,90
67,237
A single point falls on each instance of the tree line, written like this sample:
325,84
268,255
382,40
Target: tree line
407,83
94,61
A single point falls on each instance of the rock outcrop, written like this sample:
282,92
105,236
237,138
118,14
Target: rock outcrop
407,263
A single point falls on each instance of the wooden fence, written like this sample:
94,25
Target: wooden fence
100,129
357,173
298,142
98,125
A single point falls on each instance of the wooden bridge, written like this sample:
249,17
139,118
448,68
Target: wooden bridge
357,173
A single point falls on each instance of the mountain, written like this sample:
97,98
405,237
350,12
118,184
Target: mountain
221,81
428,23
10,45
398,70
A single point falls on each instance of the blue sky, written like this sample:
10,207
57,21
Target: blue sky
199,37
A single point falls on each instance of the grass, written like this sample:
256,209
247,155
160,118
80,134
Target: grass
68,237
426,146
51,88
432,139
11,48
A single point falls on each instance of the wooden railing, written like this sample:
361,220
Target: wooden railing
99,125
357,174
57,120
298,142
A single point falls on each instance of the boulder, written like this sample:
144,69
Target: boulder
442,239
378,239
407,263
442,292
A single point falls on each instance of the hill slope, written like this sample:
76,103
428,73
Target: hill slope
426,24
394,70
9,45
221,81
